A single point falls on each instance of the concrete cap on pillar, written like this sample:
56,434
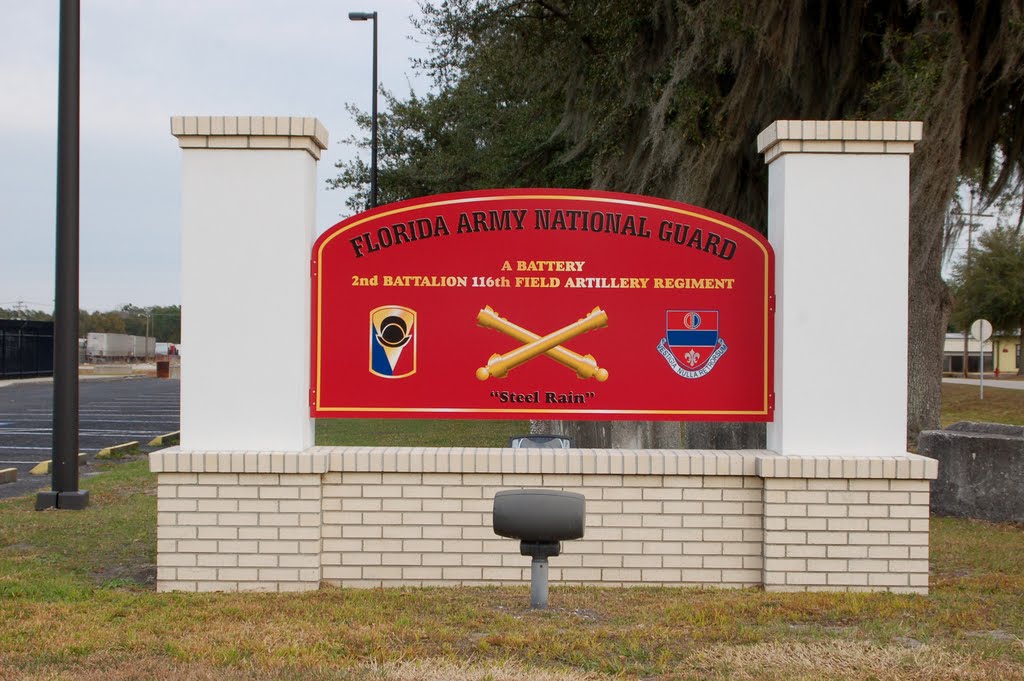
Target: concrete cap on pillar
838,137
250,132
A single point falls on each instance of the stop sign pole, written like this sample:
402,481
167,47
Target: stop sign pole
981,330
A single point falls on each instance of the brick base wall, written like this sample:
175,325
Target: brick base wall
238,532
391,529
365,517
851,535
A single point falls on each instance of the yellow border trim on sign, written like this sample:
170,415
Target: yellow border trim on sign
458,410
505,197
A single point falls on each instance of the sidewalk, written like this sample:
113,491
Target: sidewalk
989,382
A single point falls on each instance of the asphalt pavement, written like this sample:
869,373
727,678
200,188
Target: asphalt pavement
111,411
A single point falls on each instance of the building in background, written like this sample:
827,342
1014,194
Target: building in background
1001,352
1006,350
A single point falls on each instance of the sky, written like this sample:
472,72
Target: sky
141,63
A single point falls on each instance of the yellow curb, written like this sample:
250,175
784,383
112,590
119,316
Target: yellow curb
44,467
166,439
117,450
8,475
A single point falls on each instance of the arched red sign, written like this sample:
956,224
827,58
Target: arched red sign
542,303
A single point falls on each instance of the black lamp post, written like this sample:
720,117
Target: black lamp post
371,16
64,462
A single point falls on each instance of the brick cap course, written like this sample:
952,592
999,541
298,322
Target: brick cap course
250,132
740,462
906,467
174,460
838,137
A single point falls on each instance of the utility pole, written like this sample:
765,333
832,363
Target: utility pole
970,214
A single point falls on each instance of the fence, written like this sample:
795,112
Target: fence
26,349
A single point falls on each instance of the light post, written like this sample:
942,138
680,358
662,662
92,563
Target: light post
149,316
64,457
371,16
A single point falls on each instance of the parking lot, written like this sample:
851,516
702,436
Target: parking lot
111,411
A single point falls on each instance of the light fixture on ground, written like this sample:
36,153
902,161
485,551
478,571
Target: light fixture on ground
541,520
371,16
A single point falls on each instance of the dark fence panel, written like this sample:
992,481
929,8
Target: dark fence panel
26,349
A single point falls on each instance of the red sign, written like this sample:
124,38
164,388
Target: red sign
542,303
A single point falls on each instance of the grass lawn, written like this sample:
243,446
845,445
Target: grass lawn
417,432
962,403
77,602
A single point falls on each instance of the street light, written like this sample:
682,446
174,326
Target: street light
64,456
371,16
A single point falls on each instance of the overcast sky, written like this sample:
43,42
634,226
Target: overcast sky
143,61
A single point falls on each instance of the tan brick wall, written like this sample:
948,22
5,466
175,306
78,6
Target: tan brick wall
845,535
362,517
238,532
391,529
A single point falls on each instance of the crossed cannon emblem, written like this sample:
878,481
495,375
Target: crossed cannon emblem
534,345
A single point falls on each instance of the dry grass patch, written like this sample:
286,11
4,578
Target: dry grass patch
436,670
113,668
852,660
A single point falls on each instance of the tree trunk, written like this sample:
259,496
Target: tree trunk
702,435
929,311
616,434
933,179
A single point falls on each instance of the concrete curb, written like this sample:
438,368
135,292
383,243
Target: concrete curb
8,475
118,451
81,377
44,467
166,440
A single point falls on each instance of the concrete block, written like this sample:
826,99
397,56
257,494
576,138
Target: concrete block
43,468
981,471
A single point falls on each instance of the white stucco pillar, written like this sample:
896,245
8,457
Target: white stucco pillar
838,219
248,213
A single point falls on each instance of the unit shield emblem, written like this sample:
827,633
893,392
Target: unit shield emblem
692,345
393,341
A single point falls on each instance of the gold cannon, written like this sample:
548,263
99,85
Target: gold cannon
585,366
